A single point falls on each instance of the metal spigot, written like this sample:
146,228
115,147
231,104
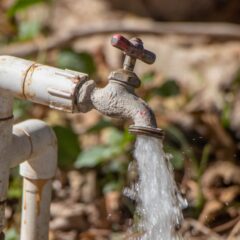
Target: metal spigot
133,50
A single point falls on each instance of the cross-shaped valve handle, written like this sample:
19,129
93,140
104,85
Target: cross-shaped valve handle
133,50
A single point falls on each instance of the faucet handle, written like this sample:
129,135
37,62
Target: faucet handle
133,48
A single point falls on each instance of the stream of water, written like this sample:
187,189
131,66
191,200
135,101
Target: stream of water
159,203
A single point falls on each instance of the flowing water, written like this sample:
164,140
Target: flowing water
159,202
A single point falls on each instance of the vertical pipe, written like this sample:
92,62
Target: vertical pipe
36,209
6,123
38,172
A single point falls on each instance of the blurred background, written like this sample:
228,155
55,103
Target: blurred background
193,89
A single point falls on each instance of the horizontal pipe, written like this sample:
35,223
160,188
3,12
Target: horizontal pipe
42,84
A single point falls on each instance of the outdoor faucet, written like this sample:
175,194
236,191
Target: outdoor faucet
117,98
32,144
73,91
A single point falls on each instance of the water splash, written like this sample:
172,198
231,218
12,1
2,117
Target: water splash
159,201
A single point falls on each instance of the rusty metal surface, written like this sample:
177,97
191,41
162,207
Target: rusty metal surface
125,76
39,185
153,132
133,48
118,99
27,81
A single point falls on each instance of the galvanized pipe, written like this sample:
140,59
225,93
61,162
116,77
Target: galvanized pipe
6,122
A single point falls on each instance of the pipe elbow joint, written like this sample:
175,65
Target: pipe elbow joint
41,149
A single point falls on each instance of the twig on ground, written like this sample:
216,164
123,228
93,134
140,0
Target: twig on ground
202,228
226,226
221,31
235,233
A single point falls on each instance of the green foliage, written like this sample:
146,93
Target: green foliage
76,61
148,77
15,185
101,124
168,89
28,30
11,234
177,157
68,146
200,200
178,152
20,5
115,146
93,157
112,186
114,174
20,108
15,188
225,117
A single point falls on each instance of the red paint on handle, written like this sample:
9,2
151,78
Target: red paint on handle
131,50
120,42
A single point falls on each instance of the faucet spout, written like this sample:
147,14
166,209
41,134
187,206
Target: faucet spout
119,101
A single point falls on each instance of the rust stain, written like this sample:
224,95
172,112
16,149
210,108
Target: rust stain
39,184
25,201
25,74
76,80
25,206
28,81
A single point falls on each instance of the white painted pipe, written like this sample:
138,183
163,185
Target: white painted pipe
36,209
42,84
38,171
30,139
6,122
20,149
43,143
35,142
